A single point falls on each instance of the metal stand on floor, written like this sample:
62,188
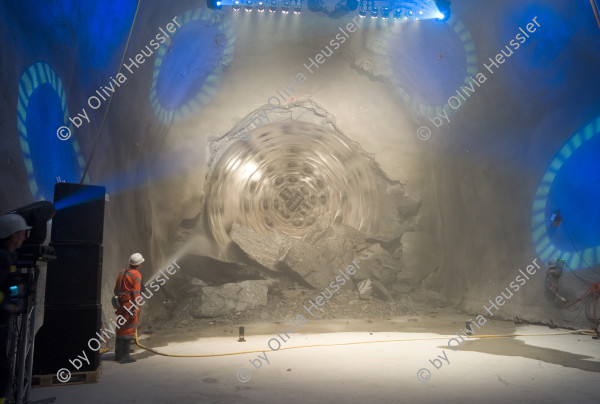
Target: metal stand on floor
22,329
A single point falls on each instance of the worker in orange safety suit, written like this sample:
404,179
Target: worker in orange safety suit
128,287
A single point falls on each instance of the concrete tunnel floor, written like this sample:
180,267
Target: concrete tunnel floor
525,369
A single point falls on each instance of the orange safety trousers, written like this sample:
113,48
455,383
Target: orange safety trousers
131,279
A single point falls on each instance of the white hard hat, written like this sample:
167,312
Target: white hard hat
12,223
136,259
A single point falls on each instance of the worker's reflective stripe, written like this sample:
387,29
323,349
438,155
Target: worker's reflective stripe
136,277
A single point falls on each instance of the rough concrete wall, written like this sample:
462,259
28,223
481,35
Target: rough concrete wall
487,164
475,177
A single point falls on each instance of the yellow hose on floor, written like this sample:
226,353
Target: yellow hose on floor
583,332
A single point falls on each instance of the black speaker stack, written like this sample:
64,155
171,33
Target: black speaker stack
72,312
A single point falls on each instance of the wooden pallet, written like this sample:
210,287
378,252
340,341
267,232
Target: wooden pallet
76,378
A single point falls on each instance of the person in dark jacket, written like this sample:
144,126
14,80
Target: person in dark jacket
13,232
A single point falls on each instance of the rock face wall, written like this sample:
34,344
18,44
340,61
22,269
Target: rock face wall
218,300
266,154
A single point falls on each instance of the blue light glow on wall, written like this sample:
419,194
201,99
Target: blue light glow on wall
92,33
428,62
571,184
548,45
42,108
188,69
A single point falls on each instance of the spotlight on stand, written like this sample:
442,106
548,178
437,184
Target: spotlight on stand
443,7
248,6
260,7
273,6
363,8
397,14
285,7
297,6
236,5
385,13
374,12
214,4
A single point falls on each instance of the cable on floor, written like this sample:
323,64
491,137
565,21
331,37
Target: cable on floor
580,332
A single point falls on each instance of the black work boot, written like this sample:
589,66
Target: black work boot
118,348
125,356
